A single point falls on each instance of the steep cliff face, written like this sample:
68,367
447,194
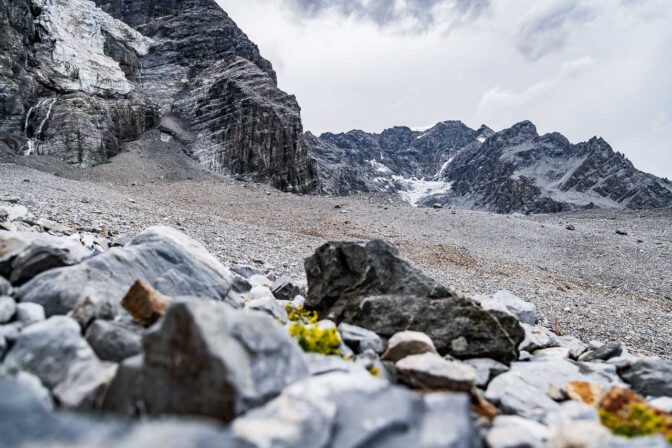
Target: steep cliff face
81,78
515,170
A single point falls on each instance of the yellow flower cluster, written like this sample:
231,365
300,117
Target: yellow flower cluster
638,420
313,339
301,315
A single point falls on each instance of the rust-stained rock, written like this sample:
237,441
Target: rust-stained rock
144,303
585,392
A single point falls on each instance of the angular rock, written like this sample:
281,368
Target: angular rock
576,347
524,390
286,289
114,341
360,339
200,348
169,261
586,433
261,292
604,353
486,370
510,431
27,254
29,313
48,349
430,371
662,403
144,304
408,343
553,352
5,287
7,309
456,325
537,338
259,280
269,306
246,271
341,272
525,312
85,386
350,410
651,377
372,285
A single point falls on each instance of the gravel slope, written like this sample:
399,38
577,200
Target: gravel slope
591,282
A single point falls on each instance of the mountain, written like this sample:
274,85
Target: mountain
514,170
81,79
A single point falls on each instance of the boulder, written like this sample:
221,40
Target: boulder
286,289
486,369
662,403
537,338
527,389
48,349
208,360
430,371
372,285
525,312
246,271
85,386
510,431
7,309
360,339
553,352
351,410
29,313
167,260
269,306
576,346
144,304
259,280
114,341
408,343
342,272
604,353
650,376
580,433
456,325
27,254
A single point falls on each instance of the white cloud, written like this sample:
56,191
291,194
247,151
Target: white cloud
602,69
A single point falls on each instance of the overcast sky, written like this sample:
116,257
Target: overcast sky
583,68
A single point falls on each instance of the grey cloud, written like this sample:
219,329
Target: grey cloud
422,14
545,29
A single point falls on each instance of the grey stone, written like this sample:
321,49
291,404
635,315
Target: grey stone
652,376
114,341
573,410
510,431
663,403
431,372
48,349
350,410
638,442
27,254
29,313
604,353
3,347
360,339
586,433
486,370
11,331
169,261
260,280
286,289
269,306
7,309
85,386
553,352
524,390
246,271
372,285
229,362
576,347
5,287
525,312
408,343
538,338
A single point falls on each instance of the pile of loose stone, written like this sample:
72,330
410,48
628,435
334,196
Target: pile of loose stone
150,340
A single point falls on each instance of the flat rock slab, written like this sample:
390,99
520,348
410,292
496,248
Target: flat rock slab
169,261
430,371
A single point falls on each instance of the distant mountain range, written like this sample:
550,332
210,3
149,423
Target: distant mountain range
78,80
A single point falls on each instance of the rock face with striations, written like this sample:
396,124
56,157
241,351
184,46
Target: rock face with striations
84,78
515,170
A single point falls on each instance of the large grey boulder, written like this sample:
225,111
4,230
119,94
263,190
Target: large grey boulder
372,285
48,349
209,360
85,386
27,254
360,339
486,369
114,341
169,261
527,389
652,376
348,410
